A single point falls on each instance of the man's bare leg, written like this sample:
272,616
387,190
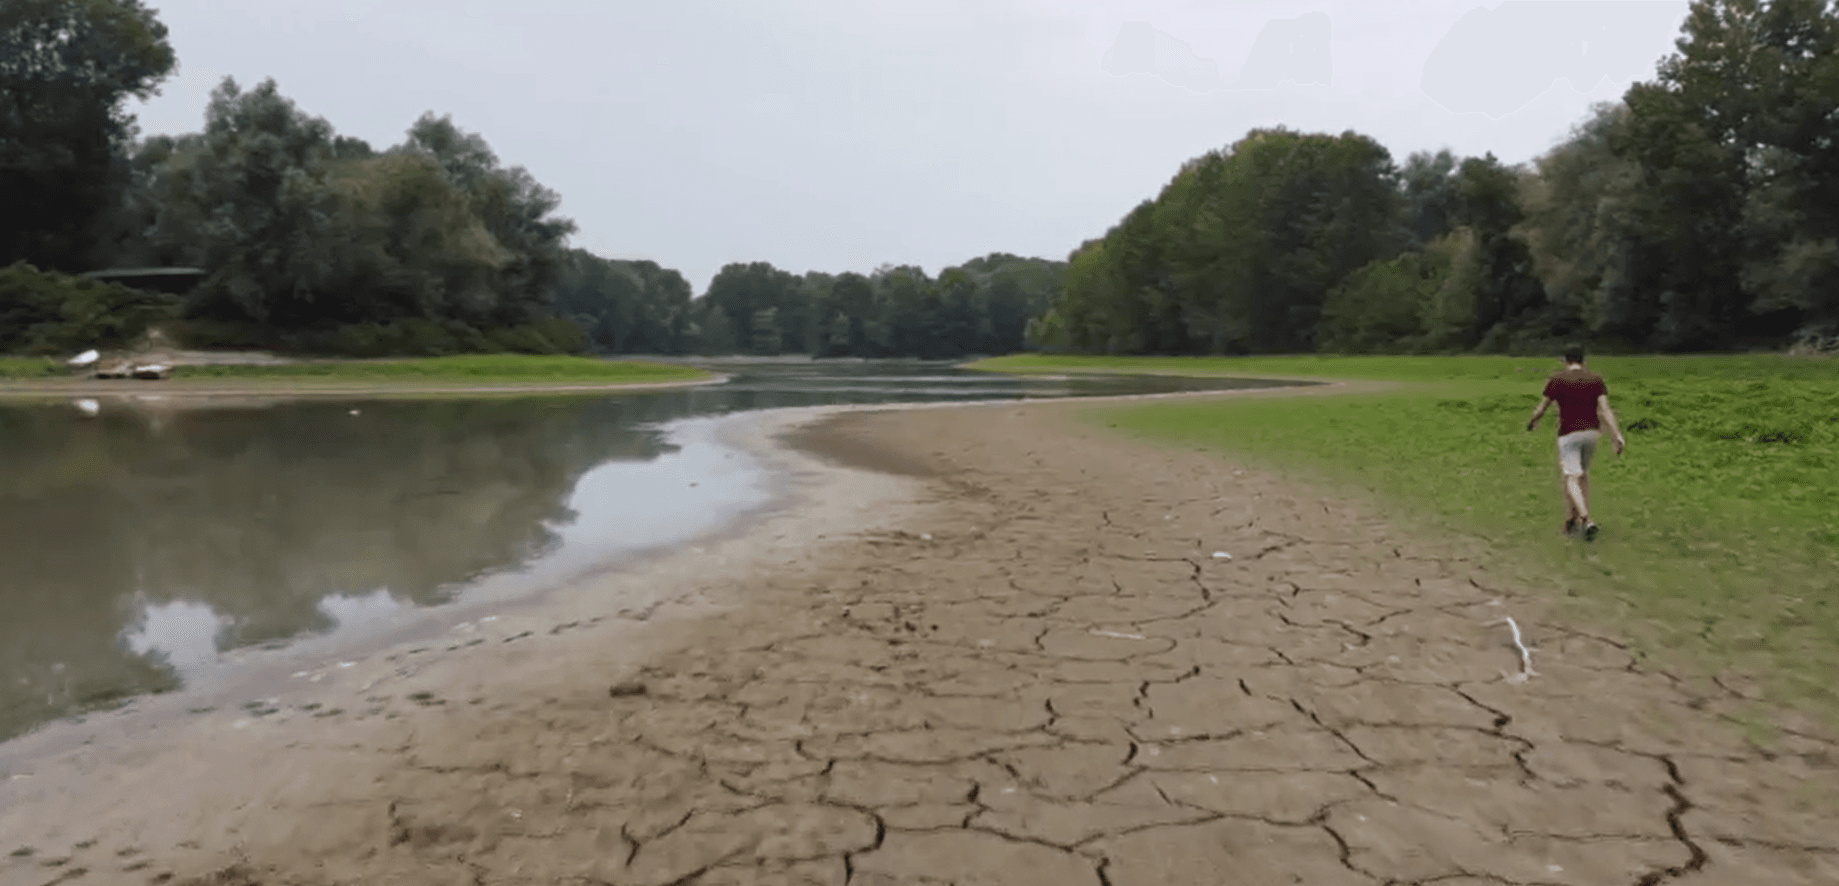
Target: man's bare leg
1574,486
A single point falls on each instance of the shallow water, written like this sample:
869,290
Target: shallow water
141,544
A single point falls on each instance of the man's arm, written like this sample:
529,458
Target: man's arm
1544,404
1608,416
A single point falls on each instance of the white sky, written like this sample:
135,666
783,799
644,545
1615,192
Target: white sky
836,135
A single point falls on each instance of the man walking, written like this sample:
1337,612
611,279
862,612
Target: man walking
1583,408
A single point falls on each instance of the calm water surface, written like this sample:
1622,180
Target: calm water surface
139,546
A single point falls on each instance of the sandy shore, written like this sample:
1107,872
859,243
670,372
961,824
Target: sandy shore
987,646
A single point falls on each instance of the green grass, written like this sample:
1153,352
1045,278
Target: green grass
1721,541
1429,369
31,367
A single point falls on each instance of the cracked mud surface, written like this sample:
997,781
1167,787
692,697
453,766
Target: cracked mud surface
1041,674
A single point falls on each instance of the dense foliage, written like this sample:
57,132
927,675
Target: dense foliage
1700,212
980,307
67,68
51,313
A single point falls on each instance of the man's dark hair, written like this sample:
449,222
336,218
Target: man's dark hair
1574,354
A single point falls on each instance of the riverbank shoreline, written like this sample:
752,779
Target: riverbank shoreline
1035,652
260,671
216,392
217,753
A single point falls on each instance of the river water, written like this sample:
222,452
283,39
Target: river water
140,548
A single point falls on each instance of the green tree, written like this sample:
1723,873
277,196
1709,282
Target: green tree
712,330
515,209
45,312
413,248
1509,301
766,338
1429,183
741,291
1578,229
852,299
251,197
1734,139
1379,307
67,68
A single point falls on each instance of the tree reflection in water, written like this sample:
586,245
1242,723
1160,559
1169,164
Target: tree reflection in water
139,539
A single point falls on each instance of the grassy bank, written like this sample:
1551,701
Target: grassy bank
31,367
487,369
1721,539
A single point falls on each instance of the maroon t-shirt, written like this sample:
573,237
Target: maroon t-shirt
1576,391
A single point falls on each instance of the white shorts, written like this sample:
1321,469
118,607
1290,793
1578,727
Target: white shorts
1575,451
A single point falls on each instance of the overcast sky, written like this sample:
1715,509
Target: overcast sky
837,135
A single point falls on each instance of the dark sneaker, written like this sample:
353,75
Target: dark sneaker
1590,531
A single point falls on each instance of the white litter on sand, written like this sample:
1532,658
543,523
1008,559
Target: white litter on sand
1118,635
1526,668
1221,555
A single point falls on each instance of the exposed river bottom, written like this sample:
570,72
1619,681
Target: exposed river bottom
987,644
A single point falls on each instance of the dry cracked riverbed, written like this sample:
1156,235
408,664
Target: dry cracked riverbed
1044,674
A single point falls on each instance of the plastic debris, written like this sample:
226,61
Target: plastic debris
1221,555
1118,635
85,358
1526,668
89,407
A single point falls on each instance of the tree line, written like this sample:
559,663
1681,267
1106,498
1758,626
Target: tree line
980,307
315,241
1701,211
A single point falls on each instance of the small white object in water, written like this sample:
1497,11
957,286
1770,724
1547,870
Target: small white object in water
85,358
354,412
89,407
1221,555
